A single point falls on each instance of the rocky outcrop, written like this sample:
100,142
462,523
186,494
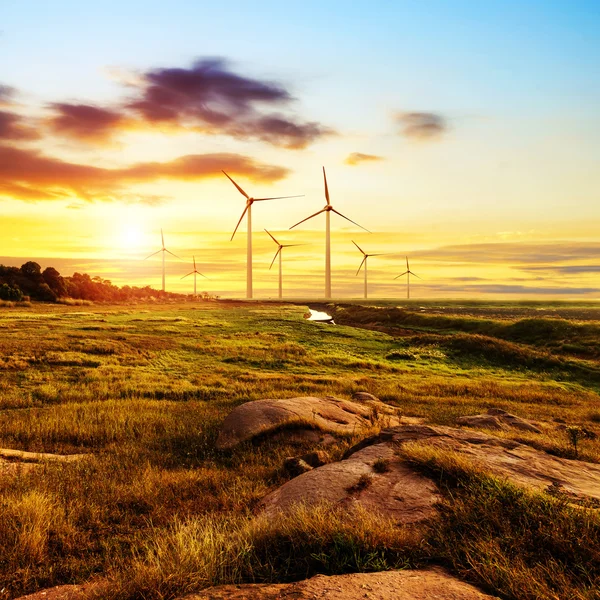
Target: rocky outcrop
318,417
425,584
374,474
374,477
496,418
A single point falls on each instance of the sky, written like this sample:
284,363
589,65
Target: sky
464,135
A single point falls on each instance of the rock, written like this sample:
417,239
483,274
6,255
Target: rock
519,463
496,418
364,396
325,415
296,466
399,492
425,584
316,458
35,457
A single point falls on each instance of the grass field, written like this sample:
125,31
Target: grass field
143,390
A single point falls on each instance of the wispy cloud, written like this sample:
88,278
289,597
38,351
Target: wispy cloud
29,175
356,158
424,126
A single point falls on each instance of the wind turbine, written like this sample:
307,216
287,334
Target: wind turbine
163,250
194,274
408,273
364,262
280,253
327,209
248,209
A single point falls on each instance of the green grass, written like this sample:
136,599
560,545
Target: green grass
144,389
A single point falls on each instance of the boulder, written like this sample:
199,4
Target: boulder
398,491
322,415
424,584
63,592
519,463
496,418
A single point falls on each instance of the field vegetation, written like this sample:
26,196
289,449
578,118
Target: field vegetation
156,511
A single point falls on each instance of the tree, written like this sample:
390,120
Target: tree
31,269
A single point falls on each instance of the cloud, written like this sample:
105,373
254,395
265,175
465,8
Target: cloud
85,122
14,127
356,158
423,126
521,290
6,94
30,176
211,98
564,269
513,253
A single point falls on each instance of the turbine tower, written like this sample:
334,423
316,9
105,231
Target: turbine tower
364,262
280,253
163,250
248,209
194,272
327,209
408,273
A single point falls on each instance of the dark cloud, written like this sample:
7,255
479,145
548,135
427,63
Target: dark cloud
29,175
521,290
564,269
211,98
421,125
513,253
14,127
85,122
358,157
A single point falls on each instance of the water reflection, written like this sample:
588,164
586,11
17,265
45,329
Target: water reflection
318,316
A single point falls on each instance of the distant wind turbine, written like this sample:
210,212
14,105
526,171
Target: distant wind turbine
194,272
408,273
163,250
327,209
364,262
248,209
280,253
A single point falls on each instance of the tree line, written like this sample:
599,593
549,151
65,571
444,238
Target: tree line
29,281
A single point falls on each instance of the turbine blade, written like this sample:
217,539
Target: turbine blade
292,245
162,237
358,247
237,186
194,259
361,264
407,267
271,236
175,255
415,275
380,254
276,253
187,275
326,188
205,277
307,218
238,224
351,221
147,257
278,198
401,274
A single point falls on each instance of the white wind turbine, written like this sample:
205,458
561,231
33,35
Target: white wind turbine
194,272
248,209
163,250
280,253
364,262
408,273
327,209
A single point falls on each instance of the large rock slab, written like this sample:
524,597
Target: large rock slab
520,463
496,418
324,415
426,584
374,477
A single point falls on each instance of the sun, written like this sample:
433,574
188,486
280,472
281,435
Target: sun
130,236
